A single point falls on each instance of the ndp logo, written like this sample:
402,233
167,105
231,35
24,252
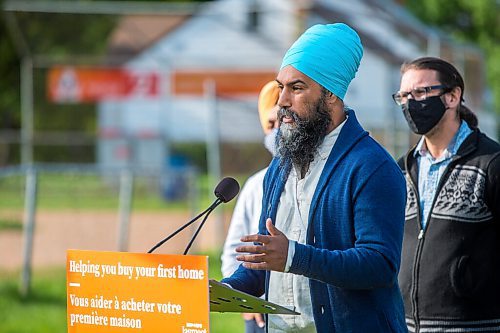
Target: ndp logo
193,328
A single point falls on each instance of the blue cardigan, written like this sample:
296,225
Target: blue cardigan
354,237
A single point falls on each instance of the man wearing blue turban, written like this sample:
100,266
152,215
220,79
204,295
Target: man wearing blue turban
331,226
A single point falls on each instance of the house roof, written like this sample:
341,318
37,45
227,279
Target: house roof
135,33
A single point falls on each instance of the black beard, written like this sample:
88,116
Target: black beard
300,143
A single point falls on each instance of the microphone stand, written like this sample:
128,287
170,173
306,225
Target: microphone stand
206,211
216,203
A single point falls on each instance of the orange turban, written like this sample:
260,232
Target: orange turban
268,98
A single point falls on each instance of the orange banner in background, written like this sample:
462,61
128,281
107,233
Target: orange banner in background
73,84
136,292
226,82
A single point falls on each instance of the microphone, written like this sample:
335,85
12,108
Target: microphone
225,191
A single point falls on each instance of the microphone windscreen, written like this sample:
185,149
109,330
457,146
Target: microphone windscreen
227,189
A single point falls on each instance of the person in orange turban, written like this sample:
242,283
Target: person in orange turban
245,219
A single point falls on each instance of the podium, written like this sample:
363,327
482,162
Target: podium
108,292
226,299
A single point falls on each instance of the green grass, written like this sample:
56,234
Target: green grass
222,322
10,224
70,191
44,310
82,191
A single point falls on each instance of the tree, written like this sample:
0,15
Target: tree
53,34
9,84
472,21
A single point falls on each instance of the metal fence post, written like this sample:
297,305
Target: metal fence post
26,110
28,230
125,206
213,153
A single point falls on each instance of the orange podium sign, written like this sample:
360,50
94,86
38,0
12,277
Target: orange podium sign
135,292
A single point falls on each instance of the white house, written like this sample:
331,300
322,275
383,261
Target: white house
213,63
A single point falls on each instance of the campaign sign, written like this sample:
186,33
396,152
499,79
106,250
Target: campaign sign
82,84
136,292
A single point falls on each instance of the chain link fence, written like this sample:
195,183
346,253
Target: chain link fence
47,209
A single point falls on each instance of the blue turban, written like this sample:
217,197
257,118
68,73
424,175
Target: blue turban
327,53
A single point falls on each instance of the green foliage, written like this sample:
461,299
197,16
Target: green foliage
472,21
9,84
68,38
64,35
61,39
195,153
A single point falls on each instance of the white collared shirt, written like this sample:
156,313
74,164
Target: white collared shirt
289,289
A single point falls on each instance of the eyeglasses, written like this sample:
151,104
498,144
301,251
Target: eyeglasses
418,94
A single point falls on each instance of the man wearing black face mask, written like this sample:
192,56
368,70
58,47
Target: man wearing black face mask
450,261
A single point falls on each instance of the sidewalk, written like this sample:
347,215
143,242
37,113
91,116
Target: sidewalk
55,232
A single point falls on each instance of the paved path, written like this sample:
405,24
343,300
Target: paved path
58,231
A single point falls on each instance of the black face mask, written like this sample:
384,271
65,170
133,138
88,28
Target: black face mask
422,116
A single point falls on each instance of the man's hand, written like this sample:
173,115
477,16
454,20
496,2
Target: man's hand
259,319
270,255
